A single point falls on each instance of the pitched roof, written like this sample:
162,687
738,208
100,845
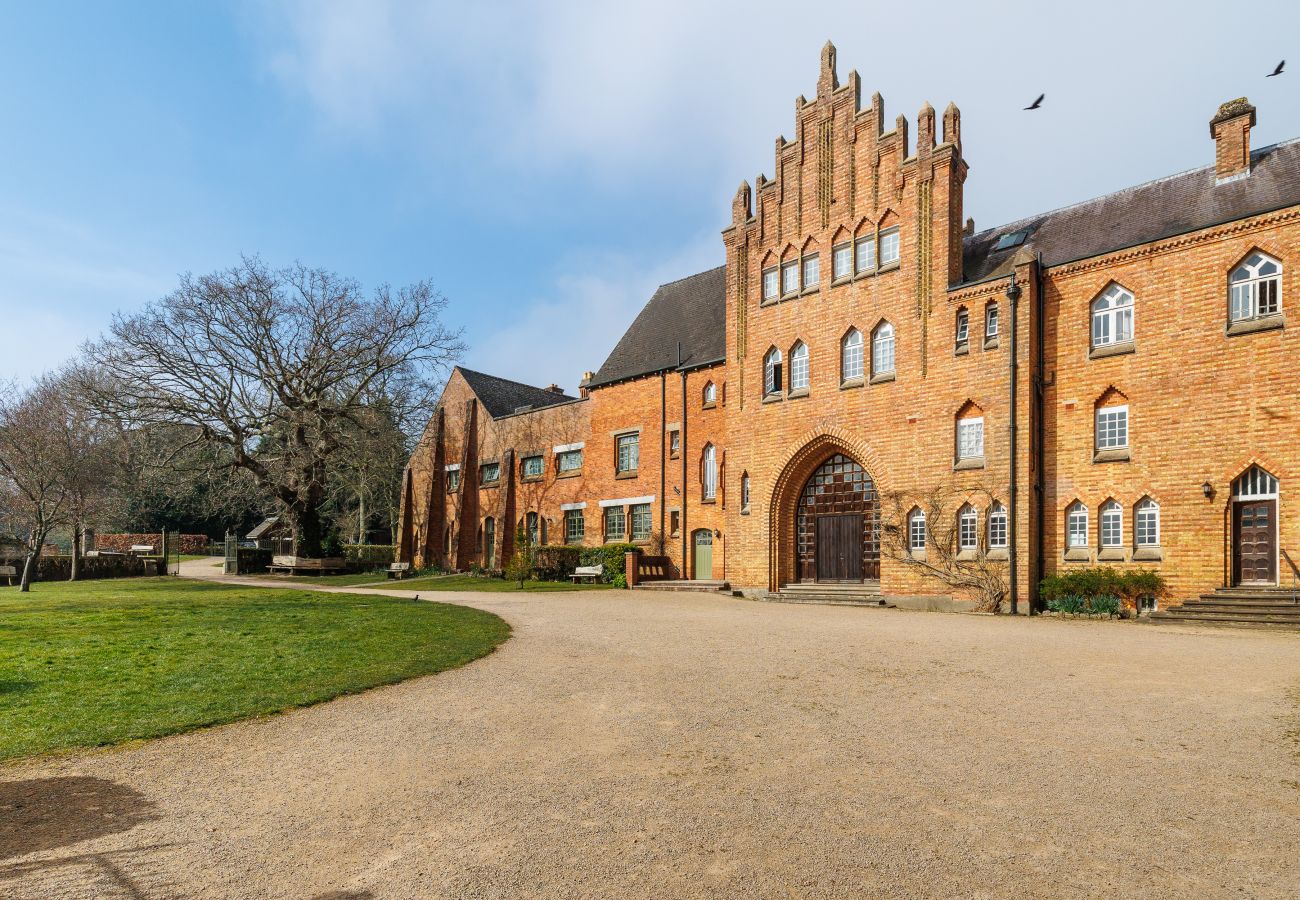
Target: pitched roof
501,397
692,310
1148,212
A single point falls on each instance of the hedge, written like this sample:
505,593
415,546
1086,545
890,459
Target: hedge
369,556
557,563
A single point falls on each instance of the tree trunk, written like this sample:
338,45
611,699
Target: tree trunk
307,530
361,518
75,569
29,564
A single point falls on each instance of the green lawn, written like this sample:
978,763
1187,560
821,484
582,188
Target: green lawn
492,585
352,579
92,663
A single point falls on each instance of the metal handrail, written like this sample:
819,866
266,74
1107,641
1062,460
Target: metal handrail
1295,576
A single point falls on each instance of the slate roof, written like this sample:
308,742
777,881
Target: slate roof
1148,212
501,397
692,310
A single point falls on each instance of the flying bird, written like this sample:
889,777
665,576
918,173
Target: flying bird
1037,103
1278,70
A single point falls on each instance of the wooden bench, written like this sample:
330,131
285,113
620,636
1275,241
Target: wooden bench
142,549
399,570
298,565
590,573
9,572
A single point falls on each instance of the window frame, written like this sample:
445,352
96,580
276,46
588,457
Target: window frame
1146,509
709,474
961,339
836,251
621,534
482,473
631,439
998,531
1075,513
866,242
917,533
787,267
1253,284
541,466
744,493
846,344
1117,315
640,513
890,237
805,282
563,456
800,365
992,317
710,393
773,383
966,425
968,528
878,338
775,273
453,480
1110,525
572,535
1110,410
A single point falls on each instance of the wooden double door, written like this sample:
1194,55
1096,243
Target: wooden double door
837,526
1254,542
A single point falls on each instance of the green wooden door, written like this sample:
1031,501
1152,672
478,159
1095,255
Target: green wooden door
703,555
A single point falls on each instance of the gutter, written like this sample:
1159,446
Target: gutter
1013,298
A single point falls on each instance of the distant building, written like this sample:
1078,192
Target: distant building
781,418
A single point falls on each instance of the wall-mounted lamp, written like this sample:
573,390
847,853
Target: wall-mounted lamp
717,534
1208,490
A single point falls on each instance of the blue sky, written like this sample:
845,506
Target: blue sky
546,165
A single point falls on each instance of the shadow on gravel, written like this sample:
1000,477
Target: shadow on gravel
48,813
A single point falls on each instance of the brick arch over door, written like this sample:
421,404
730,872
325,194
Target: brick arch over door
799,466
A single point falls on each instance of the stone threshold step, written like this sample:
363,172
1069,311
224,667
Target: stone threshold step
830,600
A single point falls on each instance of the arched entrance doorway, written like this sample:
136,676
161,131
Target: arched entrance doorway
1254,528
837,524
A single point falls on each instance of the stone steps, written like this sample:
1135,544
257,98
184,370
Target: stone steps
1259,606
699,587
866,593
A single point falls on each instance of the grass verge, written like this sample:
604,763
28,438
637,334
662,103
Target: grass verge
477,583
86,664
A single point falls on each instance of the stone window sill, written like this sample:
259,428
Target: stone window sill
918,555
967,555
798,392
1078,554
489,484
842,280
531,479
1119,454
1148,554
851,383
631,473
890,267
882,378
571,473
710,404
1263,323
773,398
812,290
991,343
707,501
1112,554
999,554
963,465
961,349
1121,349
744,510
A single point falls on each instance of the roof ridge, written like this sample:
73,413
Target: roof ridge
689,277
1133,187
534,387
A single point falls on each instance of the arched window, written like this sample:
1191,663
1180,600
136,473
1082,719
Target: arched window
744,492
851,355
1076,525
882,350
970,433
963,329
531,520
916,530
1112,317
1112,525
997,527
772,372
710,392
489,543
991,324
709,472
799,366
446,538
1254,484
1146,523
967,528
1254,288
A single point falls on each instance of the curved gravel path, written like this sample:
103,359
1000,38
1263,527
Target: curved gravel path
661,745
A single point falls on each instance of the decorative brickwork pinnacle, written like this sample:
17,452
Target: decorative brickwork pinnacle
828,80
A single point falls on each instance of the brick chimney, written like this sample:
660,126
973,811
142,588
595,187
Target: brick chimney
554,388
1230,129
583,390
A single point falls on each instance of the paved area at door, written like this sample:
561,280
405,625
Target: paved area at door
649,745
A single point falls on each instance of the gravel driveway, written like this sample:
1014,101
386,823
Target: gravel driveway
656,745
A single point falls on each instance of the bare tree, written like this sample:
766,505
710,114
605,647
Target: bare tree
978,571
34,464
277,369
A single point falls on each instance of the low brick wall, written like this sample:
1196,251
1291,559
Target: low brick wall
122,543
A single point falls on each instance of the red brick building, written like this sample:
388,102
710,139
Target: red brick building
869,390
